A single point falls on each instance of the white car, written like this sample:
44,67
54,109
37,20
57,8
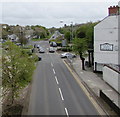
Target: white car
53,44
68,55
51,50
41,50
38,46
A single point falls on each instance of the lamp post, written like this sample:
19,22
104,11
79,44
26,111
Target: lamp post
71,31
61,22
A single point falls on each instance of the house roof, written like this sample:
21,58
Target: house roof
108,22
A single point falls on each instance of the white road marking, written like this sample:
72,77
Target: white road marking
51,64
56,80
53,71
61,94
66,112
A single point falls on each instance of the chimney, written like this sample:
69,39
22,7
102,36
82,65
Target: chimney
113,10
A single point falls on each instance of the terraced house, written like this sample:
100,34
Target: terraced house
107,40
107,52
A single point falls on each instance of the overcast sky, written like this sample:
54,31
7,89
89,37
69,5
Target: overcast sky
49,13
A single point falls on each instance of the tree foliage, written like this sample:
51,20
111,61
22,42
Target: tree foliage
87,31
80,47
5,34
81,32
68,36
40,31
22,39
18,68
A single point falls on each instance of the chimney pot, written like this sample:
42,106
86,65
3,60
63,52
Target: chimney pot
113,10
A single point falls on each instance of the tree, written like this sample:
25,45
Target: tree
40,31
68,36
81,31
80,48
18,68
4,34
22,39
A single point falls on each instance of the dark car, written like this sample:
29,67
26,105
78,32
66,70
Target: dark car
39,58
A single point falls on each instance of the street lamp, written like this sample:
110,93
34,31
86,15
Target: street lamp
61,22
71,31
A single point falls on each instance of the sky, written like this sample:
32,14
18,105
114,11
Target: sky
50,13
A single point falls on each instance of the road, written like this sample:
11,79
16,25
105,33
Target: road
55,91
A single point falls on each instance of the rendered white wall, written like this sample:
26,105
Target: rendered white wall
107,31
112,78
119,39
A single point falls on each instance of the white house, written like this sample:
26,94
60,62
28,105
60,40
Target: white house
13,37
107,39
56,35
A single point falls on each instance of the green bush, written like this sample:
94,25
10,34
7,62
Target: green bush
35,58
29,53
59,44
17,69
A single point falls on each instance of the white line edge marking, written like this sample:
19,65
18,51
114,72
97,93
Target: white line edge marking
53,71
56,80
51,64
61,94
66,112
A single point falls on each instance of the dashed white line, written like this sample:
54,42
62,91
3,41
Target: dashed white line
51,64
61,94
56,80
66,112
53,71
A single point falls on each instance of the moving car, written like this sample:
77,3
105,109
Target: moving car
53,44
51,50
68,55
38,46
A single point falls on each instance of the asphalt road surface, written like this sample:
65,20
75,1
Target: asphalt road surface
55,91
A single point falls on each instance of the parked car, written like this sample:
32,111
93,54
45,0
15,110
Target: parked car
18,44
39,58
41,50
51,50
68,55
53,44
38,46
3,41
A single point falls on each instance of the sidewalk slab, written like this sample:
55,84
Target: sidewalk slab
95,82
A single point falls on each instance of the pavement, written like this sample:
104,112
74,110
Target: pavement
94,81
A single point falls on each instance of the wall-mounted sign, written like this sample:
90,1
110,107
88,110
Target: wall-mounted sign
106,47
